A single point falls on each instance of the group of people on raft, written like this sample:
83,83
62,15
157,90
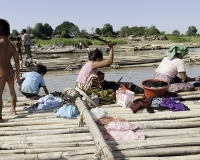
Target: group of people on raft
168,70
90,80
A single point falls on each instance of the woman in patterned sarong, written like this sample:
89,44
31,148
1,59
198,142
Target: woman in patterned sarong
91,81
171,66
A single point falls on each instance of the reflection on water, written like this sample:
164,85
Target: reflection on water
58,80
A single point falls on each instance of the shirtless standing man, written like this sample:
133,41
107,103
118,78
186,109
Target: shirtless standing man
7,74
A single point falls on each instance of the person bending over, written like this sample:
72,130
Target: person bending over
7,74
171,66
31,82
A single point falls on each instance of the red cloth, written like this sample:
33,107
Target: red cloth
140,103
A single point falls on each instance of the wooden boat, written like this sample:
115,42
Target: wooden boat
58,51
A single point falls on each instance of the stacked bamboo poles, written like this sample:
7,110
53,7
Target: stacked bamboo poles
153,47
169,135
150,60
43,136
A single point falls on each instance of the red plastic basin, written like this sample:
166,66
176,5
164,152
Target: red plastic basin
155,92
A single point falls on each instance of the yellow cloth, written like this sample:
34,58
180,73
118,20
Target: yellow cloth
105,96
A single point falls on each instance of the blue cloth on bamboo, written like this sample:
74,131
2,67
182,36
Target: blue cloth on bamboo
45,103
66,111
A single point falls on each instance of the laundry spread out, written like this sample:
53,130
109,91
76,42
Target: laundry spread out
45,103
172,105
122,131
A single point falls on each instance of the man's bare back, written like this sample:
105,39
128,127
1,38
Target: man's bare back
7,51
7,74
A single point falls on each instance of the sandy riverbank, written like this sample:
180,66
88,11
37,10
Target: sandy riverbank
140,45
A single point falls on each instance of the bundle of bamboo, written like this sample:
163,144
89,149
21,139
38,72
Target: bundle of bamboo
148,60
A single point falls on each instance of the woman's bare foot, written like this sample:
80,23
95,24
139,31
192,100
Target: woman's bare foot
1,120
12,113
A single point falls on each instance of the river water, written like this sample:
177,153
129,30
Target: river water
58,80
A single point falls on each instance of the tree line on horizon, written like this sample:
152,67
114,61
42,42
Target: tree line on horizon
69,30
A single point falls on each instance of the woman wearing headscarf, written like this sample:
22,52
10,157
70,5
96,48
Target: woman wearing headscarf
171,66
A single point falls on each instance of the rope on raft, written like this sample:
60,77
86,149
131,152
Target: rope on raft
98,154
81,123
81,92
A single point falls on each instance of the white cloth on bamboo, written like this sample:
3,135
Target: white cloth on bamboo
49,101
45,103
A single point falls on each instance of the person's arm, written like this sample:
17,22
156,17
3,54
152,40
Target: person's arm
107,62
45,90
16,60
185,78
15,44
23,38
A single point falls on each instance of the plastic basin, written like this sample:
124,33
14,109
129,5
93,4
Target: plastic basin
155,92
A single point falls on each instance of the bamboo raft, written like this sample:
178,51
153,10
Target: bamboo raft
41,135
149,60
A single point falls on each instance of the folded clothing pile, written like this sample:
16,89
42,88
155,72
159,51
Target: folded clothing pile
45,103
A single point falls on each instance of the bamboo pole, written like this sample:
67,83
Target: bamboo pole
185,157
165,143
42,156
45,132
170,151
130,115
38,127
18,104
57,155
59,140
69,150
11,145
43,137
19,156
96,134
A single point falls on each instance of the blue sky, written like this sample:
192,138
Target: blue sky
166,15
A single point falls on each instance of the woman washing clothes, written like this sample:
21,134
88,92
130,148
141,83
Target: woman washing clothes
90,79
171,66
